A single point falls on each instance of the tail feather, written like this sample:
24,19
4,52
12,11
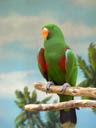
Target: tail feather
68,116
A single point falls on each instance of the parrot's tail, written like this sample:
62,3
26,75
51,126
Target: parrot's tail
68,116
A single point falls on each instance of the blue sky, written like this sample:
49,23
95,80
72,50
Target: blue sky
21,23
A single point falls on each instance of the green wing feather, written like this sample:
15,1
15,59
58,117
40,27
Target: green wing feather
71,72
71,68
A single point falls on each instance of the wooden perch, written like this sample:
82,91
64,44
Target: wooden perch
73,91
62,105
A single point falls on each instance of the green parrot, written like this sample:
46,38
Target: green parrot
57,63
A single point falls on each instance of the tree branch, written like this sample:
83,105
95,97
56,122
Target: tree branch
73,91
61,105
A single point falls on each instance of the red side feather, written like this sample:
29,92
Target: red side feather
62,63
42,61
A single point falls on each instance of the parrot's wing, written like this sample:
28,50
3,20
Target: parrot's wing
71,67
42,64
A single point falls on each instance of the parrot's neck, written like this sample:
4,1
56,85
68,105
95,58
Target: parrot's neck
54,50
55,46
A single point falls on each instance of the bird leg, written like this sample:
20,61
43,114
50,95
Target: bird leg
49,83
64,86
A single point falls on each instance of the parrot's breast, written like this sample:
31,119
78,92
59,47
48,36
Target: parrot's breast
56,67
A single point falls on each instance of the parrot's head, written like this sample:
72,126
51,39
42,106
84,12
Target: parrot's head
52,35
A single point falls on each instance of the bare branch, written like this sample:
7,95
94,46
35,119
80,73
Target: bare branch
73,91
61,105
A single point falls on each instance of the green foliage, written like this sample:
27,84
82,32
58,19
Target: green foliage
45,100
58,125
52,119
89,70
28,119
19,95
84,68
33,119
84,83
92,56
26,95
34,97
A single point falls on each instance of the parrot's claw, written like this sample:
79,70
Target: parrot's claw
64,86
49,83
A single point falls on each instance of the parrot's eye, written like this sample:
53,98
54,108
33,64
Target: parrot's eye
48,37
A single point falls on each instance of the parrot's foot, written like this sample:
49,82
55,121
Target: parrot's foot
64,86
49,83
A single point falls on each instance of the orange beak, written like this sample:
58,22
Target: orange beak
45,33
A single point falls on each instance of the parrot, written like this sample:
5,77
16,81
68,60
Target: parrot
58,65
